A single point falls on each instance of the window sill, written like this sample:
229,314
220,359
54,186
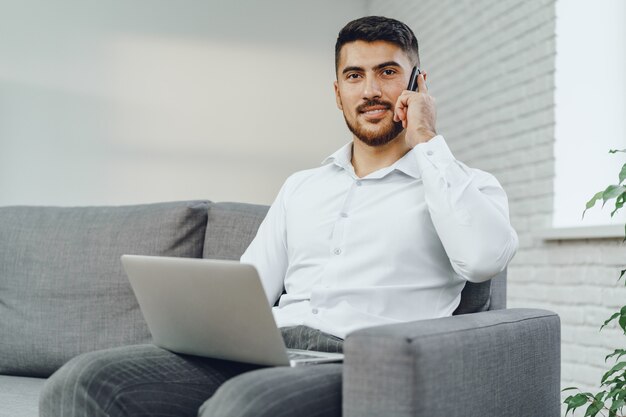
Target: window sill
612,231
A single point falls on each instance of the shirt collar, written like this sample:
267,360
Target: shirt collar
408,164
342,157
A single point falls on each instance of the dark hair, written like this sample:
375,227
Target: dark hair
378,28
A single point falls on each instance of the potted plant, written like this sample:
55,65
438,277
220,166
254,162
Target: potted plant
613,398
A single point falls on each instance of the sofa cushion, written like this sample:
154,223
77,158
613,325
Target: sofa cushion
483,296
62,287
474,298
19,396
230,229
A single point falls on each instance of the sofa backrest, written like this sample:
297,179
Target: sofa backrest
63,291
232,226
62,288
230,229
488,295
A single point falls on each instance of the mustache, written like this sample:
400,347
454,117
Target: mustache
363,107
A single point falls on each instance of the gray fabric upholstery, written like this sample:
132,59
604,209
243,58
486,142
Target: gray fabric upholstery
19,396
475,297
483,296
230,229
503,363
498,292
62,292
62,288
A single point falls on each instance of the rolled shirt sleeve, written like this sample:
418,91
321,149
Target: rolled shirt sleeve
469,210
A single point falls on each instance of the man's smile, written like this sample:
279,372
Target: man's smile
375,112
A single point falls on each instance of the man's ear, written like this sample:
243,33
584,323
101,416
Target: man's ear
337,96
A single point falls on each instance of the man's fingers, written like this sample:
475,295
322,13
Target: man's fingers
399,114
421,84
396,115
398,111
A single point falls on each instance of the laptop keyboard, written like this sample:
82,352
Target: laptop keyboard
297,355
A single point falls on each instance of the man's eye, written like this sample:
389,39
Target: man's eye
353,76
389,72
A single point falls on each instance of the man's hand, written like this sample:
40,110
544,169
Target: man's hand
416,110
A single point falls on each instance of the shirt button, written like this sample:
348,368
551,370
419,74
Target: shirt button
358,183
337,251
344,215
314,311
429,153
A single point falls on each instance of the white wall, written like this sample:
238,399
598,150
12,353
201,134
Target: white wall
123,102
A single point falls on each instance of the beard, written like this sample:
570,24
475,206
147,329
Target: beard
387,131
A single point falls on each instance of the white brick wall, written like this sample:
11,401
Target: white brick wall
491,69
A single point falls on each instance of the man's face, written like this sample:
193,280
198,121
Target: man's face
370,78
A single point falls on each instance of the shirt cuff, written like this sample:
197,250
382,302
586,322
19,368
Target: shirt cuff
433,154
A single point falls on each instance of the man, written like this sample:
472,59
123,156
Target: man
388,230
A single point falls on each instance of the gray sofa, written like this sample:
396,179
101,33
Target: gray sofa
63,292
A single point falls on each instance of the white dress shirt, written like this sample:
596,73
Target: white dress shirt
394,246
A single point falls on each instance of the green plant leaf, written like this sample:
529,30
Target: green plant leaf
613,370
622,174
617,150
615,381
616,405
622,272
613,394
610,319
619,203
622,322
622,319
575,401
611,192
595,406
620,352
618,392
568,388
592,202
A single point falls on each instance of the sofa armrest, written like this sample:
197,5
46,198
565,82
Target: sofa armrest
503,363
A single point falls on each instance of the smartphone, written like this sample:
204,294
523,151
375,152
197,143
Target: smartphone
413,79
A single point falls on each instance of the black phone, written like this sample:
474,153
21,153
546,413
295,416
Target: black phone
413,79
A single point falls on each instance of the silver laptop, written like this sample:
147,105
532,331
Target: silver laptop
211,308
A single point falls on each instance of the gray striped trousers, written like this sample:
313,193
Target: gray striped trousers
144,380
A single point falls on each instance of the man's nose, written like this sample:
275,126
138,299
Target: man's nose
371,88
